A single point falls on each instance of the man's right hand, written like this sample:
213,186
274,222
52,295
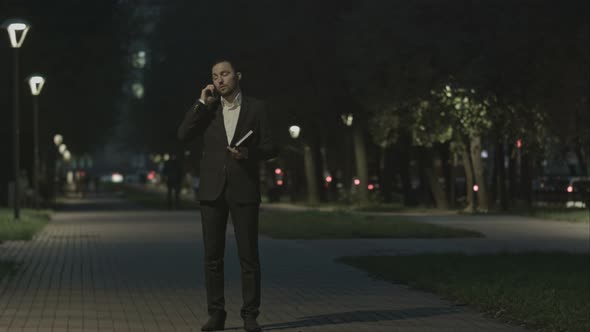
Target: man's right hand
207,95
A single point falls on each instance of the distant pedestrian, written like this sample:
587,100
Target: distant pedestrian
173,177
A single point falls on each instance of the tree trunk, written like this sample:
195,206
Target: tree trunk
447,173
292,176
313,197
501,177
320,166
478,170
527,179
493,190
362,171
440,197
424,195
468,178
512,192
386,174
382,161
581,160
403,152
432,174
452,182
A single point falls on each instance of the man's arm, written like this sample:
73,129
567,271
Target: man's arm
194,122
266,148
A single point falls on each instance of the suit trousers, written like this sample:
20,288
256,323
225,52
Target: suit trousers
214,216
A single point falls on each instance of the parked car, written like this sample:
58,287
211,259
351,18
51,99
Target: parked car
571,192
578,192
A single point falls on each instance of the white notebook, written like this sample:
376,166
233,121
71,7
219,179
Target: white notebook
244,138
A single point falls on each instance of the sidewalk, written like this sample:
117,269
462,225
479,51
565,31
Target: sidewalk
98,269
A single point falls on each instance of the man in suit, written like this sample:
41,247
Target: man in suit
229,185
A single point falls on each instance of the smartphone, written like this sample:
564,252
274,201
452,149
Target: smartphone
213,93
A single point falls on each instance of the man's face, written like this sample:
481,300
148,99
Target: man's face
225,79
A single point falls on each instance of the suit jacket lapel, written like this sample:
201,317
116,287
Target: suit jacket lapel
221,122
238,134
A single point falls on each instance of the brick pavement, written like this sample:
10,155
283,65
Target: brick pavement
119,268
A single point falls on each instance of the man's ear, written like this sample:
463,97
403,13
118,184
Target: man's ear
239,75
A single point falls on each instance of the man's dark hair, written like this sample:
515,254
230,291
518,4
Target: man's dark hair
229,60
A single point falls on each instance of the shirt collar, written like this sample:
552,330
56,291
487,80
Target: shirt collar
237,101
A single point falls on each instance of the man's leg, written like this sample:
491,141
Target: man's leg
245,221
214,220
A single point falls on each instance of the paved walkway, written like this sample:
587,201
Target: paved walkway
104,265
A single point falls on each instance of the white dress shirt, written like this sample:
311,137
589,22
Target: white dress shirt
231,112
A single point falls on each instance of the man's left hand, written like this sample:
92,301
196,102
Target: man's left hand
236,154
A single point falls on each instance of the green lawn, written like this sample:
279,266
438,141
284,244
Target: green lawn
375,207
544,291
397,207
345,225
574,215
315,224
148,199
31,222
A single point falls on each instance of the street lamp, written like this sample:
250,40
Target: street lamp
347,119
62,148
294,131
17,31
309,167
58,139
36,83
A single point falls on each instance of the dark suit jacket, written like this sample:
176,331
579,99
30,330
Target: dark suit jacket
217,165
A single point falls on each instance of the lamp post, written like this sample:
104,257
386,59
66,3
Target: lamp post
57,140
17,31
347,120
36,83
309,167
360,154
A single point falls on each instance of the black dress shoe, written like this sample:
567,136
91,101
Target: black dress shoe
251,325
216,322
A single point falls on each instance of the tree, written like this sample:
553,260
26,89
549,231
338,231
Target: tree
384,71
384,123
471,121
432,125
515,123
